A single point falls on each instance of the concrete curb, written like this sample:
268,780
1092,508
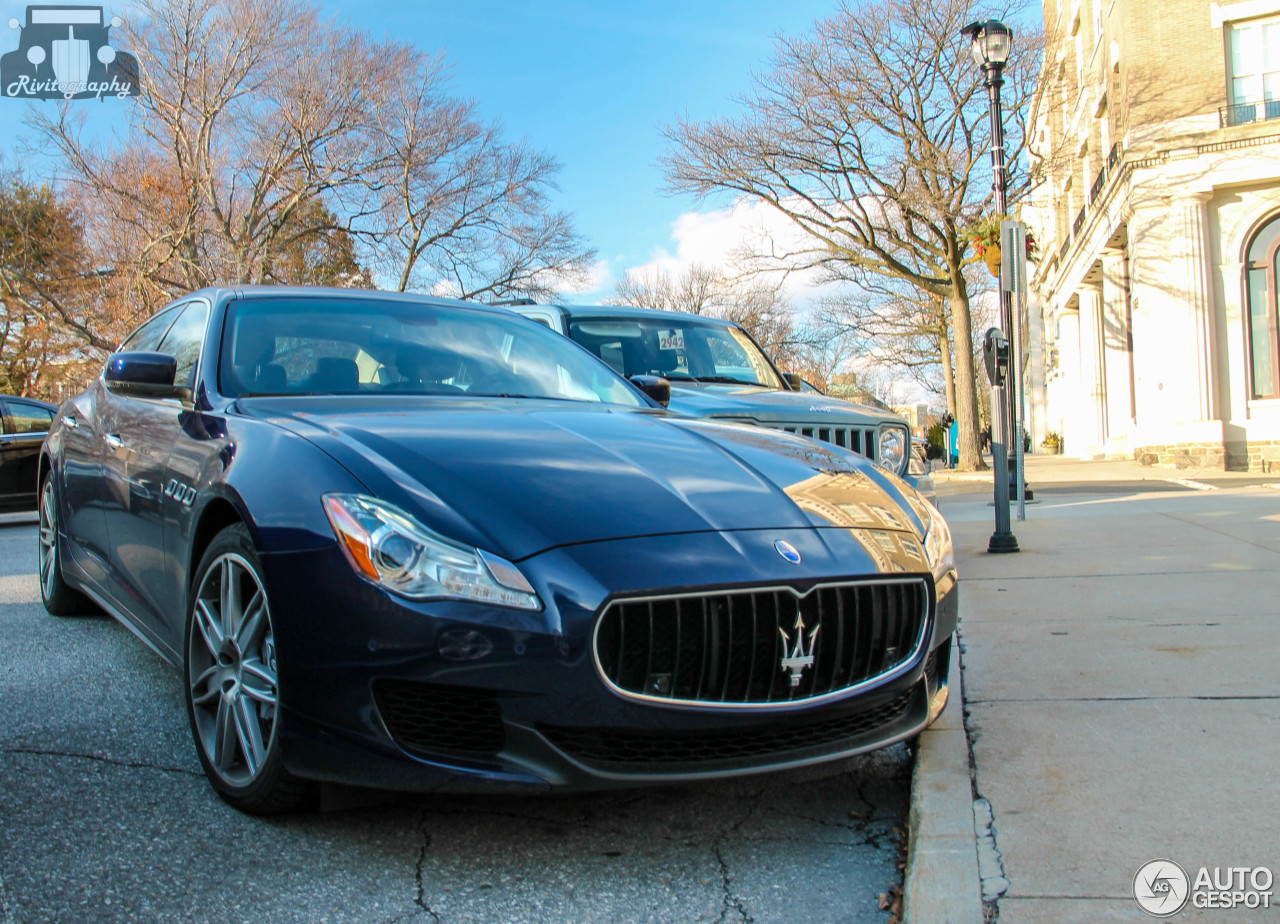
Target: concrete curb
942,884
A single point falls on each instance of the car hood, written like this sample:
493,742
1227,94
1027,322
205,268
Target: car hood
519,477
769,405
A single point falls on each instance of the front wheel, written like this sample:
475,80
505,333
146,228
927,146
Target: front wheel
232,690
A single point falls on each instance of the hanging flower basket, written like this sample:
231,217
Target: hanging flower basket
985,237
991,256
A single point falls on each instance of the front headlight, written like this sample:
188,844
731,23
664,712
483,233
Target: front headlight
891,449
390,548
937,542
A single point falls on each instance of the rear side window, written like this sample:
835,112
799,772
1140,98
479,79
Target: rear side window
29,418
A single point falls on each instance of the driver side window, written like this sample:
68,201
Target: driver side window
147,337
184,340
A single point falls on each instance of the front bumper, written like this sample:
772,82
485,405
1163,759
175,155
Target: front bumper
376,691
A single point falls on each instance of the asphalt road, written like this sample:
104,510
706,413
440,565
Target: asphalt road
106,816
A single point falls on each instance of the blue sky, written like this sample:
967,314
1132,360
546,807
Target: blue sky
592,83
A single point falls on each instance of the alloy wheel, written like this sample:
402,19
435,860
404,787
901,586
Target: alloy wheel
48,540
232,670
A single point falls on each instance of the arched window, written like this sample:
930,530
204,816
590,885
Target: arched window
1264,344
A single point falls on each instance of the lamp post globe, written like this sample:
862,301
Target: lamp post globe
991,42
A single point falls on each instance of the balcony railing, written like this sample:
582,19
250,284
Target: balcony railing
1243,113
1079,222
1114,157
1099,183
1066,246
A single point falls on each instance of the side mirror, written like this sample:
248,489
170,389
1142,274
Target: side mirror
793,380
654,386
143,374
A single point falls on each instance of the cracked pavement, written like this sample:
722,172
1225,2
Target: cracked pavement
106,816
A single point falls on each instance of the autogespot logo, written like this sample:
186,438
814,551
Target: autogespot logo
1161,888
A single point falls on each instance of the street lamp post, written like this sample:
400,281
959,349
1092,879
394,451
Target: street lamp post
990,43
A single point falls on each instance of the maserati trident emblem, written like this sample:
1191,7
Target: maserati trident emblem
798,658
787,551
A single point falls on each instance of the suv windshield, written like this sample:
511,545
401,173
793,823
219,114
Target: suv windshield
694,351
349,346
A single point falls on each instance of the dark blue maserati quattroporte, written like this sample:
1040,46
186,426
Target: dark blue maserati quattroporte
410,543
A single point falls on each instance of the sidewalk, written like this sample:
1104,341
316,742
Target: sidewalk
1120,688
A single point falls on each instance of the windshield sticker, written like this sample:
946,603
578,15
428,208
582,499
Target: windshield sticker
670,340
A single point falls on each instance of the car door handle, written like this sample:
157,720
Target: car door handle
113,440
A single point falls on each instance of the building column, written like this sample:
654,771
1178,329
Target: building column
1191,214
1117,348
1235,313
1091,415
1068,390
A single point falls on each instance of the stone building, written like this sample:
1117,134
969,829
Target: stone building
1153,320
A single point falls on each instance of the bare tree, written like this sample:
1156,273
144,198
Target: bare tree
908,330
269,144
699,289
459,207
870,136
249,110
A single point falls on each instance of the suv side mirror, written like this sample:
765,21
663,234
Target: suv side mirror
793,380
654,386
143,374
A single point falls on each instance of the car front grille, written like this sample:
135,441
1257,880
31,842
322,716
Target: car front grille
669,751
426,718
749,647
859,439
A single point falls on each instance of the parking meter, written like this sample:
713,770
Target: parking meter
995,353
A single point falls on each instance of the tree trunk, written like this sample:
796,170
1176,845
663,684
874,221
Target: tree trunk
948,374
966,384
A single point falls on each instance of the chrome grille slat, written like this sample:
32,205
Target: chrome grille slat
710,648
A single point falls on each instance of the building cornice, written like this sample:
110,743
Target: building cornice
1116,192
1222,13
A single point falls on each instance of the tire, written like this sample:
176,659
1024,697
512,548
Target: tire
230,685
59,597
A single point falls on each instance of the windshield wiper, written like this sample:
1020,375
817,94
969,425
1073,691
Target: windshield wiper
728,380
513,394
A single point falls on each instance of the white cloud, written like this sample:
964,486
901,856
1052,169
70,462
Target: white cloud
721,237
599,277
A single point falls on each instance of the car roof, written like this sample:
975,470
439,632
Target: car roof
44,404
217,294
630,311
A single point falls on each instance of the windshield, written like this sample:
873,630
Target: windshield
344,346
694,351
